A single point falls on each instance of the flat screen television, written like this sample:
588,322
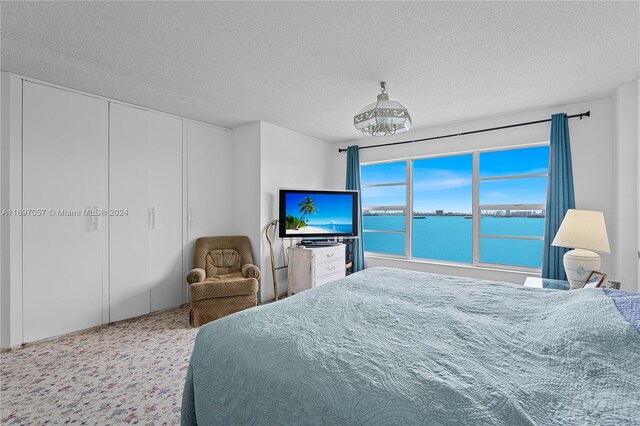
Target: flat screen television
313,214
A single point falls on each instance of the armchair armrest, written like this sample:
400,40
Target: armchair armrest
250,271
196,275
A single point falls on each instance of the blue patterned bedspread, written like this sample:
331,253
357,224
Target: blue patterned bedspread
394,347
628,304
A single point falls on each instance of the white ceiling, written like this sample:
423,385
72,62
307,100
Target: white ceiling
310,66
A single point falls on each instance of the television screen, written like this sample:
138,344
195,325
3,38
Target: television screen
317,214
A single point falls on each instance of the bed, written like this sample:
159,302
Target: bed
387,346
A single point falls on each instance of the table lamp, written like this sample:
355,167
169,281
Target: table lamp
583,231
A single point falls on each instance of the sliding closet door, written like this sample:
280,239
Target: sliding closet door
64,172
145,179
209,185
165,201
129,193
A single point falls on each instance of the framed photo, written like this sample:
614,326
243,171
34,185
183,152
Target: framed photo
595,279
611,284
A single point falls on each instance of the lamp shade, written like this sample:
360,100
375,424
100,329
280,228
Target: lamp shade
583,229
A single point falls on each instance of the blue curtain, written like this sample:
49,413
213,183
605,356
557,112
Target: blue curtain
560,196
353,182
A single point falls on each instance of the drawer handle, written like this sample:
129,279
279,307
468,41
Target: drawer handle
330,254
332,268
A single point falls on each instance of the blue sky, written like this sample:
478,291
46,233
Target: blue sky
332,208
444,183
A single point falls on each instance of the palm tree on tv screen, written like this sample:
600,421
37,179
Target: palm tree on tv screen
307,206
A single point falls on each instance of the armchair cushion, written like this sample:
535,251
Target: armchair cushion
250,271
222,261
196,275
223,286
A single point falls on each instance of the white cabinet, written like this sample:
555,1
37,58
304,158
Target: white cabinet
145,195
157,182
64,172
311,267
208,186
128,189
165,204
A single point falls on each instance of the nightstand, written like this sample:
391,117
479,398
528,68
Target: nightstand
538,282
311,267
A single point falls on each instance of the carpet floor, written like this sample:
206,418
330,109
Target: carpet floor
131,371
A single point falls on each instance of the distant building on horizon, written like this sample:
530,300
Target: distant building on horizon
439,212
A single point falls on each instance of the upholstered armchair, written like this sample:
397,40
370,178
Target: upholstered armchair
223,280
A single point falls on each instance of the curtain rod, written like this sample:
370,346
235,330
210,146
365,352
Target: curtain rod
490,129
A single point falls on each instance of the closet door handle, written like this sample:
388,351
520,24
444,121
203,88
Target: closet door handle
93,218
152,217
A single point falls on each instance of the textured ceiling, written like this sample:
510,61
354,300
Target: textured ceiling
310,66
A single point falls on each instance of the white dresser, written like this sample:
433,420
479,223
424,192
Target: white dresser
311,267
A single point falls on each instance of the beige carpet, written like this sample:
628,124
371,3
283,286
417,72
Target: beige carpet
128,372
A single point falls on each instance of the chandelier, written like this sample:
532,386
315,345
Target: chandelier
383,117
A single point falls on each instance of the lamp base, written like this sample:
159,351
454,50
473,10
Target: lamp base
578,264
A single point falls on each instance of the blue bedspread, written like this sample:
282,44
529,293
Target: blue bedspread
387,346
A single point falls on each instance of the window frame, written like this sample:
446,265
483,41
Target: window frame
476,208
404,209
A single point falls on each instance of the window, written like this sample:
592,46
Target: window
513,193
384,207
481,208
442,196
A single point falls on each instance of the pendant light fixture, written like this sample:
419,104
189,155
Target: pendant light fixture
383,117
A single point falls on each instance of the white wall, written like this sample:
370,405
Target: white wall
625,177
592,154
277,158
10,197
638,183
5,306
289,160
245,212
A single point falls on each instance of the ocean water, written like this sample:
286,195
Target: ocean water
448,238
334,227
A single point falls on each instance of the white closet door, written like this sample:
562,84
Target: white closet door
129,234
209,186
64,167
165,200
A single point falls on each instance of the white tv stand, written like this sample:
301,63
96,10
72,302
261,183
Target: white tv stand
311,267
